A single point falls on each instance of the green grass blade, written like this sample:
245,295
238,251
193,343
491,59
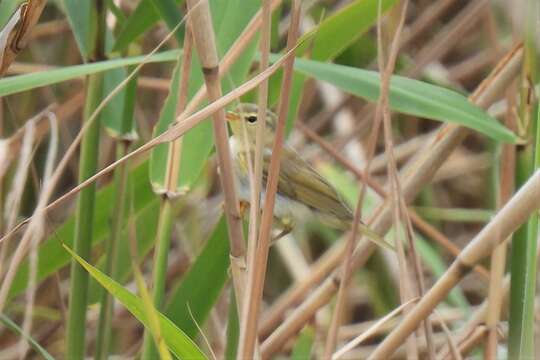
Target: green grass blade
7,8
81,17
31,341
333,36
178,342
409,96
141,19
159,156
200,287
145,15
233,329
169,11
15,84
304,344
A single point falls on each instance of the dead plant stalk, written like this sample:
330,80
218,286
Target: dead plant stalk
507,220
255,282
204,39
417,173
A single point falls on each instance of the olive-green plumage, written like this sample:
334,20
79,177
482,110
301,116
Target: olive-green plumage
301,191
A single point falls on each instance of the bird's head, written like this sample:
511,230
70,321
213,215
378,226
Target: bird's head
243,120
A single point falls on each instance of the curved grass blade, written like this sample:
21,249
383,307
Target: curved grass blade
409,96
15,84
81,18
8,323
199,289
177,341
145,15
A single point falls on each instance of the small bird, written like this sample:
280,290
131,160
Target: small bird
302,192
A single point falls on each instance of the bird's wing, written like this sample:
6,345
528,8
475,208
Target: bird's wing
300,182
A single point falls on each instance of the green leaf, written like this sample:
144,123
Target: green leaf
160,155
147,13
33,343
140,20
200,287
117,117
304,344
233,329
332,37
169,11
177,341
81,17
51,255
15,84
409,96
7,8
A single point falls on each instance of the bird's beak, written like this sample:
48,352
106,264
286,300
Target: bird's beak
231,116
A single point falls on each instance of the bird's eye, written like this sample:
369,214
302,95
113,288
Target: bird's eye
251,118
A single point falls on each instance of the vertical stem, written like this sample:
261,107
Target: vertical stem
171,183
523,262
160,269
84,216
103,340
104,333
205,42
255,282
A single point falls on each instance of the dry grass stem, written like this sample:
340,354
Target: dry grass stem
369,332
204,39
256,275
416,174
38,231
511,216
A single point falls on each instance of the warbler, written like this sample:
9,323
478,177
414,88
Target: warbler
302,192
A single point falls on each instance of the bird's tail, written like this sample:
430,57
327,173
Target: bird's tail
363,229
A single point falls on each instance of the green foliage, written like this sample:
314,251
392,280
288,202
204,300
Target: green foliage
178,342
304,344
15,84
9,324
200,287
409,96
81,16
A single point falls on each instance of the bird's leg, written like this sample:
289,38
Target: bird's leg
243,205
287,225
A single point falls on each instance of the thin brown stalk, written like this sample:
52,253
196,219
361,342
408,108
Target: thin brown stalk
498,257
204,39
447,314
255,281
507,220
369,332
429,230
451,342
400,215
30,236
454,31
38,231
417,173
424,21
256,169
175,147
382,109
